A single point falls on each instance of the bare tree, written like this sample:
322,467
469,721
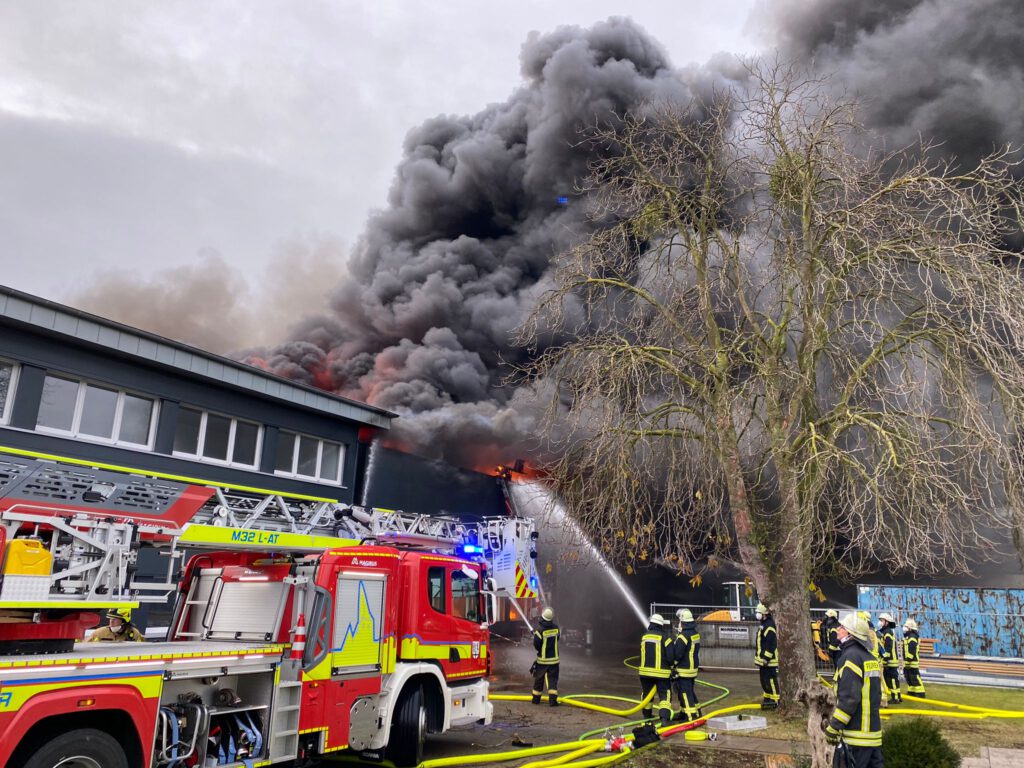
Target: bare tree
790,351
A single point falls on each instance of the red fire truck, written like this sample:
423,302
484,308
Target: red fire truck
284,642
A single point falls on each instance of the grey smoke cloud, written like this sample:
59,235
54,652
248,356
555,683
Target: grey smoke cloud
946,70
479,206
442,276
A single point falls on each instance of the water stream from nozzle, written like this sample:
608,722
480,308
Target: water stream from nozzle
538,502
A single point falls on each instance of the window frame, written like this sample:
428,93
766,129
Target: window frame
443,593
458,575
12,388
320,442
76,417
232,431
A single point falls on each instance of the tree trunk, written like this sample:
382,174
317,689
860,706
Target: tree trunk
801,691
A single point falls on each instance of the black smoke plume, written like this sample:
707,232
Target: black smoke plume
481,204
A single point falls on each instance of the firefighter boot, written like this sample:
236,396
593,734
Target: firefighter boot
553,699
536,699
648,713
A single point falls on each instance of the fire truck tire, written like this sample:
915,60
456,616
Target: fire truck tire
408,729
84,748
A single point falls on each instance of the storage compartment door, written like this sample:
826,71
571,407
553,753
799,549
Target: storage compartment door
358,624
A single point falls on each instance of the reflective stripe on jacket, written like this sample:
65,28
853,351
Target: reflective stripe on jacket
545,642
911,650
887,643
767,653
655,655
686,651
858,697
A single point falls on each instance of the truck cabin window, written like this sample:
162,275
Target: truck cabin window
465,596
435,588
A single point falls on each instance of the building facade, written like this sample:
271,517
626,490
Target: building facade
78,388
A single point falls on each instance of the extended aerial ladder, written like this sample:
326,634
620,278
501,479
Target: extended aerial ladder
89,523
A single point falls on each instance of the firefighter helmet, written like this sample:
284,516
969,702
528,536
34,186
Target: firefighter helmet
857,626
124,614
762,608
684,614
832,613
548,614
886,616
910,625
657,618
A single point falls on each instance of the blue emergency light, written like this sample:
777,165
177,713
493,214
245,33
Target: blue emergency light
533,582
471,549
563,200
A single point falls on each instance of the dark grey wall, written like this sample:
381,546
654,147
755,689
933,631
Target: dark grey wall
38,353
396,480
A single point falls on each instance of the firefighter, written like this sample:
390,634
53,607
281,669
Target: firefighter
827,639
686,655
119,628
889,657
856,723
766,657
912,659
545,668
656,667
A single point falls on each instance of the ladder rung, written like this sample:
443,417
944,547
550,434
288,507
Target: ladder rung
279,734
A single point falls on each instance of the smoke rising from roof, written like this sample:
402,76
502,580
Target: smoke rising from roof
445,274
479,206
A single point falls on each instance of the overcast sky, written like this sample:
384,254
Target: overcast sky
148,136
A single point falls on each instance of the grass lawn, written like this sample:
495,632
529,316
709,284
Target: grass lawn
966,736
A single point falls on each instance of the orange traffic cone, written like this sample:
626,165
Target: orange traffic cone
299,639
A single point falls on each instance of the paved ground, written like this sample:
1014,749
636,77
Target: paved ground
996,758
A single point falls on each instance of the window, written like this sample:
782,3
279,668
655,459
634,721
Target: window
465,596
212,437
95,412
309,457
8,379
435,588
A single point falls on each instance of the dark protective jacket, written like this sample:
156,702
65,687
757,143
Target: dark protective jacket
767,652
911,650
858,696
545,642
686,650
887,646
828,639
656,653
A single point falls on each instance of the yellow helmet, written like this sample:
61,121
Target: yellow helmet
832,613
684,614
762,608
124,614
856,625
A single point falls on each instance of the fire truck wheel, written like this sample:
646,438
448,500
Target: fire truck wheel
408,729
84,748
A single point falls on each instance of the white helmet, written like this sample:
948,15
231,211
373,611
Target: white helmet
684,614
548,614
886,616
857,626
910,625
762,608
657,618
832,613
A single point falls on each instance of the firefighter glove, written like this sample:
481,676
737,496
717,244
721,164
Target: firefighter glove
832,736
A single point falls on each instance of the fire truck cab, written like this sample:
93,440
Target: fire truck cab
396,647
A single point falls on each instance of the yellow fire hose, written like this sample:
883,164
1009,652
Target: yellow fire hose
572,749
575,701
